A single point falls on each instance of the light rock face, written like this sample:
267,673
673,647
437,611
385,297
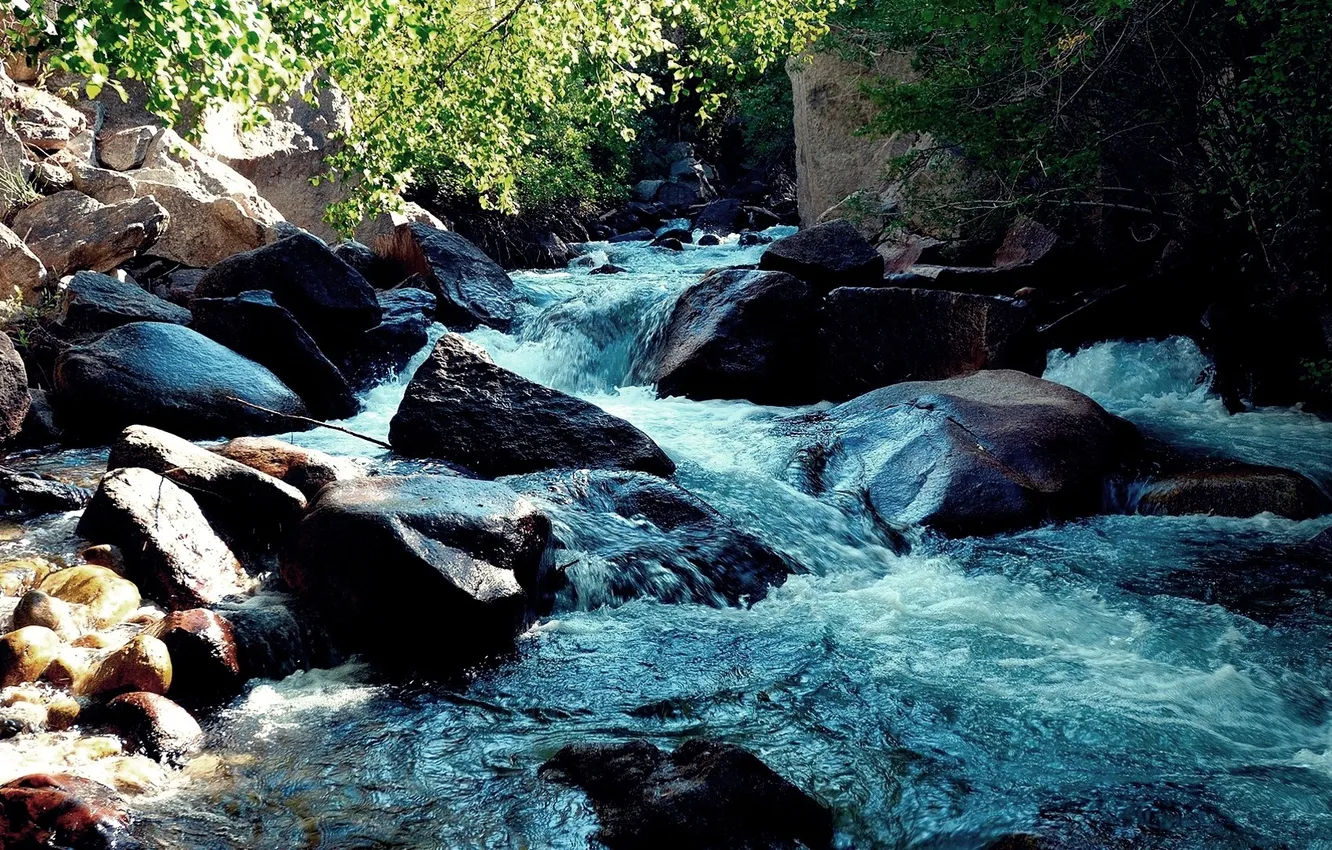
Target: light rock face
215,212
44,121
832,162
123,150
20,270
384,225
70,232
280,157
170,549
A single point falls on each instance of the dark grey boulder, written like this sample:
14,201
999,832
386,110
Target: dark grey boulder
741,334
330,299
463,408
873,337
992,451
26,494
14,396
255,325
646,528
472,288
705,795
722,217
385,349
826,256
276,635
1234,490
640,235
94,302
424,570
170,377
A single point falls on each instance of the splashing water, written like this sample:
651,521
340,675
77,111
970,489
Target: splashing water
1112,681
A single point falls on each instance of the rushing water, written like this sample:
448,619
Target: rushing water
1118,682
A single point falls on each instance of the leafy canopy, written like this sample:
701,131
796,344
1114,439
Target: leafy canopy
480,95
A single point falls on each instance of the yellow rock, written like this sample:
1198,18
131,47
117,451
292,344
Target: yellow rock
71,668
20,576
62,712
110,598
98,640
143,664
96,747
25,654
10,530
58,711
42,609
104,555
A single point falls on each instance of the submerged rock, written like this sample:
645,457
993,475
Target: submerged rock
41,811
170,549
36,608
155,726
255,325
704,795
462,408
172,378
991,451
1235,490
472,288
741,334
604,512
424,570
826,256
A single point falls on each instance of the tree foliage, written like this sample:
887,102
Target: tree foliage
499,97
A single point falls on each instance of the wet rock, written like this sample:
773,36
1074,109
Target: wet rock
750,239
329,298
826,256
126,149
25,654
26,494
14,395
255,325
20,269
172,378
705,795
96,302
142,664
472,289
875,337
276,636
41,811
708,240
107,598
19,576
305,469
384,350
232,495
36,608
668,244
740,334
991,451
722,217
204,660
69,231
422,570
215,212
463,408
640,235
712,561
1235,490
171,551
155,726
104,555
608,268
676,236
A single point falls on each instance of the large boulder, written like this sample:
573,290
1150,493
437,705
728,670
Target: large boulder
329,298
255,325
991,451
41,811
172,378
873,337
215,212
14,396
826,256
171,552
20,269
658,539
281,156
305,469
100,184
705,795
244,502
383,225
424,570
1233,489
463,408
385,349
472,289
69,231
741,334
94,302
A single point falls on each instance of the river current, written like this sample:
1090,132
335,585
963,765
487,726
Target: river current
1120,681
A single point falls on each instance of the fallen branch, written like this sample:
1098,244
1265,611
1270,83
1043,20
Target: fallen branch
315,422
